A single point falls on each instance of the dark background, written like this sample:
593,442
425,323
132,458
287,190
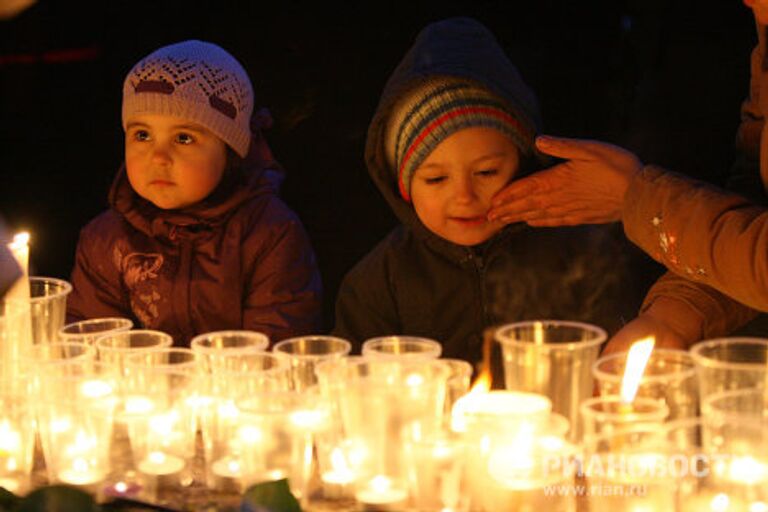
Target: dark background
664,78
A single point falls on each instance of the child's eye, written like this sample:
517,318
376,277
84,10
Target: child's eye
434,180
141,135
488,172
185,138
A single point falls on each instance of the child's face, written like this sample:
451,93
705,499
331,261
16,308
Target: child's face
452,189
171,162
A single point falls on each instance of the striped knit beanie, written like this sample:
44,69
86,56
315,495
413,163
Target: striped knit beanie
438,108
197,81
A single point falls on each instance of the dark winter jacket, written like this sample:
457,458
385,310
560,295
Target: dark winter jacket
240,259
417,283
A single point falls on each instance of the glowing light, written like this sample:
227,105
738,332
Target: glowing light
637,359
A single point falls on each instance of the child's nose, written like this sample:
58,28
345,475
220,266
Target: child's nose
465,191
161,154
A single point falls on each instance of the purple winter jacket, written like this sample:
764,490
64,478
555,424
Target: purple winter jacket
240,262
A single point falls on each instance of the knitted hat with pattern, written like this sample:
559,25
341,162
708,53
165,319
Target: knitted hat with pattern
196,81
440,107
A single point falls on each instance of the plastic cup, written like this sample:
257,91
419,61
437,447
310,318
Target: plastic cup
212,345
402,347
670,375
88,330
724,364
48,307
304,353
552,358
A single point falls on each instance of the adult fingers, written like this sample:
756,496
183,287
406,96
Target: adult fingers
569,149
517,189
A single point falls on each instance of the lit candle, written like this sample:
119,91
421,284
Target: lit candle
10,440
340,473
160,464
19,247
338,479
81,472
381,495
122,488
227,467
20,325
714,502
10,484
637,359
10,454
80,460
516,405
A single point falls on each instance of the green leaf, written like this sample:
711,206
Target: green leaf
274,496
58,498
8,500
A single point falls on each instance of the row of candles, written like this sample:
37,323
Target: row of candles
398,428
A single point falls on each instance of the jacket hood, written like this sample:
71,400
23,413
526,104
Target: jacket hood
459,48
256,178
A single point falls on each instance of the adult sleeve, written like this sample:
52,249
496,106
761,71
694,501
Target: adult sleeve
701,233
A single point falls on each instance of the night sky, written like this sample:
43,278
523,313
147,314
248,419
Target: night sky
662,77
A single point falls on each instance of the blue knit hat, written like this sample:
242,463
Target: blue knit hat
440,107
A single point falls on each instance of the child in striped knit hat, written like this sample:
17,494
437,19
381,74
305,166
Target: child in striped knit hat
455,124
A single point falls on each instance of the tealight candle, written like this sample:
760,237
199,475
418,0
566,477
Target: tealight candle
10,484
121,489
160,464
712,502
381,495
80,473
227,467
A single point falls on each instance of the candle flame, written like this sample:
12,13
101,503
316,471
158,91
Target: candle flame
380,483
95,388
637,359
20,241
482,383
720,503
538,333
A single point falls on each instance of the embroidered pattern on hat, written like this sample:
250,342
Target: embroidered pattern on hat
167,75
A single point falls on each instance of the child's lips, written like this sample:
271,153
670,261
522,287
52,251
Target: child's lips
470,221
161,183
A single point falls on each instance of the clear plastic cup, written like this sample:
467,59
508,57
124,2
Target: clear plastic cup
304,353
402,347
669,375
88,330
552,358
724,364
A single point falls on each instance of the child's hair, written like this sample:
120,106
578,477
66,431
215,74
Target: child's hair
440,106
197,81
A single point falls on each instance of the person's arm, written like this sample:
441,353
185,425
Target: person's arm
97,289
701,233
678,313
283,297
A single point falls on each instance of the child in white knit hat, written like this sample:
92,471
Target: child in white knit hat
196,238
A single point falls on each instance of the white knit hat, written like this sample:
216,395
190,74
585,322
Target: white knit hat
197,81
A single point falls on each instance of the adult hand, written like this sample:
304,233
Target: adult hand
642,326
588,188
